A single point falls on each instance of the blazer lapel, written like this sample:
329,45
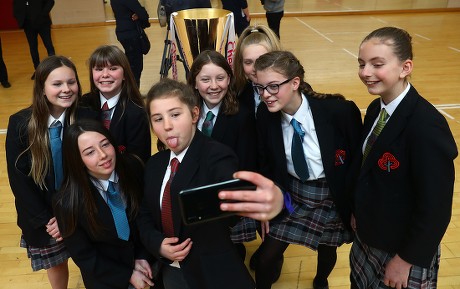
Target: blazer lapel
325,134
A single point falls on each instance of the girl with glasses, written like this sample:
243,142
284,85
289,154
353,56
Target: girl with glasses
306,143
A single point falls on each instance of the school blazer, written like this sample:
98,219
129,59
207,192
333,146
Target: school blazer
33,204
213,261
105,261
123,10
38,10
130,129
403,196
238,131
338,128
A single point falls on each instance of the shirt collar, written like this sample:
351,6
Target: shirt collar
61,118
301,114
111,102
215,110
391,107
104,184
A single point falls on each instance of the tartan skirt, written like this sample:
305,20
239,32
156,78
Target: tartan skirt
368,268
47,256
314,220
244,231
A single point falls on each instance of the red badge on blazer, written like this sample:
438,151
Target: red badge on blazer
121,149
388,162
339,157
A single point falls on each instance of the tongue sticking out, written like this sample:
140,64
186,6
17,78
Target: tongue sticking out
172,142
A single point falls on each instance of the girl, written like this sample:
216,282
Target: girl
102,246
307,140
212,78
35,166
403,196
252,43
200,256
115,97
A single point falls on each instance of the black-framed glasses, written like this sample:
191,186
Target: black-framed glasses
272,88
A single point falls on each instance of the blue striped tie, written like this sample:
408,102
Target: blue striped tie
297,153
56,152
117,207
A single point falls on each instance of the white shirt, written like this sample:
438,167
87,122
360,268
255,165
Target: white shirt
204,112
390,109
103,185
52,120
310,141
111,102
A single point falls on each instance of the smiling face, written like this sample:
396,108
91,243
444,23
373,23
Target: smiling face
287,99
108,79
97,153
61,90
250,55
212,83
381,70
173,122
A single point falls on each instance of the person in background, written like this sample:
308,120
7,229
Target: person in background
274,12
3,71
115,97
33,16
241,15
129,14
252,43
307,142
34,164
96,209
402,199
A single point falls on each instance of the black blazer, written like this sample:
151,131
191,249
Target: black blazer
33,204
338,128
105,261
238,131
130,129
236,6
38,10
213,261
403,197
126,28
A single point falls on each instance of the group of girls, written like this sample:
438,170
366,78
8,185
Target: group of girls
334,174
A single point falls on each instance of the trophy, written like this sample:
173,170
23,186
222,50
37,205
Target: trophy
195,30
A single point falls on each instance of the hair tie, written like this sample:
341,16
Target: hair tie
254,30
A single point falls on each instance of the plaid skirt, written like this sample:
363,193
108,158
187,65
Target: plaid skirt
48,256
244,231
368,268
314,220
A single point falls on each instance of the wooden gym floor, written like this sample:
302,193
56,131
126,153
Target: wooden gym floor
326,45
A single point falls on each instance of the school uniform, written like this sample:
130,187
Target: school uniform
33,204
237,6
249,98
213,261
105,260
130,128
238,131
403,195
321,210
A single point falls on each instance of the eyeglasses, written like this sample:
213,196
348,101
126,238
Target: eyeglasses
271,88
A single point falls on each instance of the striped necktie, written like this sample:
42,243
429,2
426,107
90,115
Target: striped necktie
117,207
166,208
297,153
208,124
106,115
56,152
383,117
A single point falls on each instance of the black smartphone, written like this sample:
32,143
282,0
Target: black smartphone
202,204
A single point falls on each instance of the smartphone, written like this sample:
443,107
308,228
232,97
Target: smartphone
202,204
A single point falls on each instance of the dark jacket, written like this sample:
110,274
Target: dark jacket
123,10
403,196
213,261
36,12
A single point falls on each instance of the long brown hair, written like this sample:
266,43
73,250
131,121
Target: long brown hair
37,127
76,192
